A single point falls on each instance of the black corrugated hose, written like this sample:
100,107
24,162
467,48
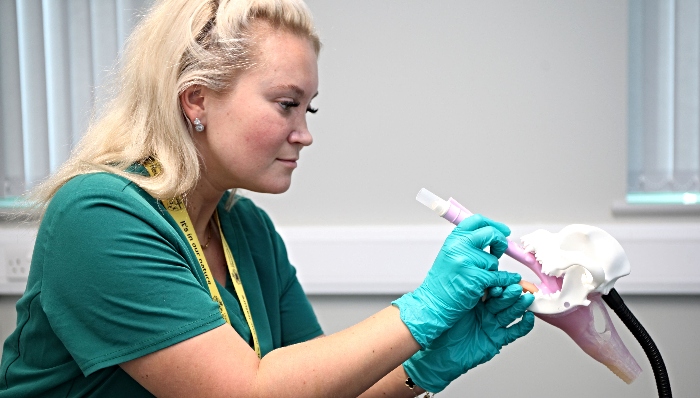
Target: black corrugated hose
614,301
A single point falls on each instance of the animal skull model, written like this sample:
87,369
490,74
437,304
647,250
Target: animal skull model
588,258
590,261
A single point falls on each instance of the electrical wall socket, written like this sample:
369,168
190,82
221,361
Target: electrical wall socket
16,247
17,262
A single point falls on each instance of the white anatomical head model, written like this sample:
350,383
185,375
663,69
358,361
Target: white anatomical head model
588,258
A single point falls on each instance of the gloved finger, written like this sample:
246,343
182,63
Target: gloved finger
510,314
477,221
508,297
497,248
519,329
495,291
488,236
464,254
481,259
499,278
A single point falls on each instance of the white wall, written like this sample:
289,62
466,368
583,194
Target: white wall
517,108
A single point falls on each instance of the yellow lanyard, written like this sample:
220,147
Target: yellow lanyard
176,208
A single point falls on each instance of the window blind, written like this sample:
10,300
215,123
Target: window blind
664,101
55,56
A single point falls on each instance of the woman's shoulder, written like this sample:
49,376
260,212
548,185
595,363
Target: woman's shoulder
99,180
102,187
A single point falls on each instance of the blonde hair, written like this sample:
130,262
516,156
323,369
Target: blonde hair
179,43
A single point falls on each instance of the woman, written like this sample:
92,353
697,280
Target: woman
150,277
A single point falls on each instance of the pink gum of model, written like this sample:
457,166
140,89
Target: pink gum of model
605,347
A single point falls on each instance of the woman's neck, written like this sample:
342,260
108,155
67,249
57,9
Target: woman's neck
201,204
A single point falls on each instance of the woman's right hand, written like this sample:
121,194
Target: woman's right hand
458,278
474,339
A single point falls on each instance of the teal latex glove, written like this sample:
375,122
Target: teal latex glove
458,278
475,339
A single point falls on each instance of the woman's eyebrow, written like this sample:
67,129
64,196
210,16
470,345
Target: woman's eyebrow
293,87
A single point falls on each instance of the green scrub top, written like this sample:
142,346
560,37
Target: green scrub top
113,279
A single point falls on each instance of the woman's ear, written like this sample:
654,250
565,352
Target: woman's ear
192,102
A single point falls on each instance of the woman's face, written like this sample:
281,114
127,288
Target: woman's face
254,132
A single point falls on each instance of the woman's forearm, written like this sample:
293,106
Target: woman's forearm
219,363
345,364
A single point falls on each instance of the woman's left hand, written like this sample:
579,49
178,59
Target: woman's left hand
473,340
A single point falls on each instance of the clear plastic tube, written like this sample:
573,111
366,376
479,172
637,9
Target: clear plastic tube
432,201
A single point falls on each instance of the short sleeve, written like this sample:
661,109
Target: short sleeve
116,283
299,322
297,317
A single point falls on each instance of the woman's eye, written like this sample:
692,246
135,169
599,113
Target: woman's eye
286,105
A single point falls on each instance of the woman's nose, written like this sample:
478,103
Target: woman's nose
302,136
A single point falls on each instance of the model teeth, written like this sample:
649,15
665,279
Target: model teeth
547,296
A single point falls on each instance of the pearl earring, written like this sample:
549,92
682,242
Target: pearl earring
198,125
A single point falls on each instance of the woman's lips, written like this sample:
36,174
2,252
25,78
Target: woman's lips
288,162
